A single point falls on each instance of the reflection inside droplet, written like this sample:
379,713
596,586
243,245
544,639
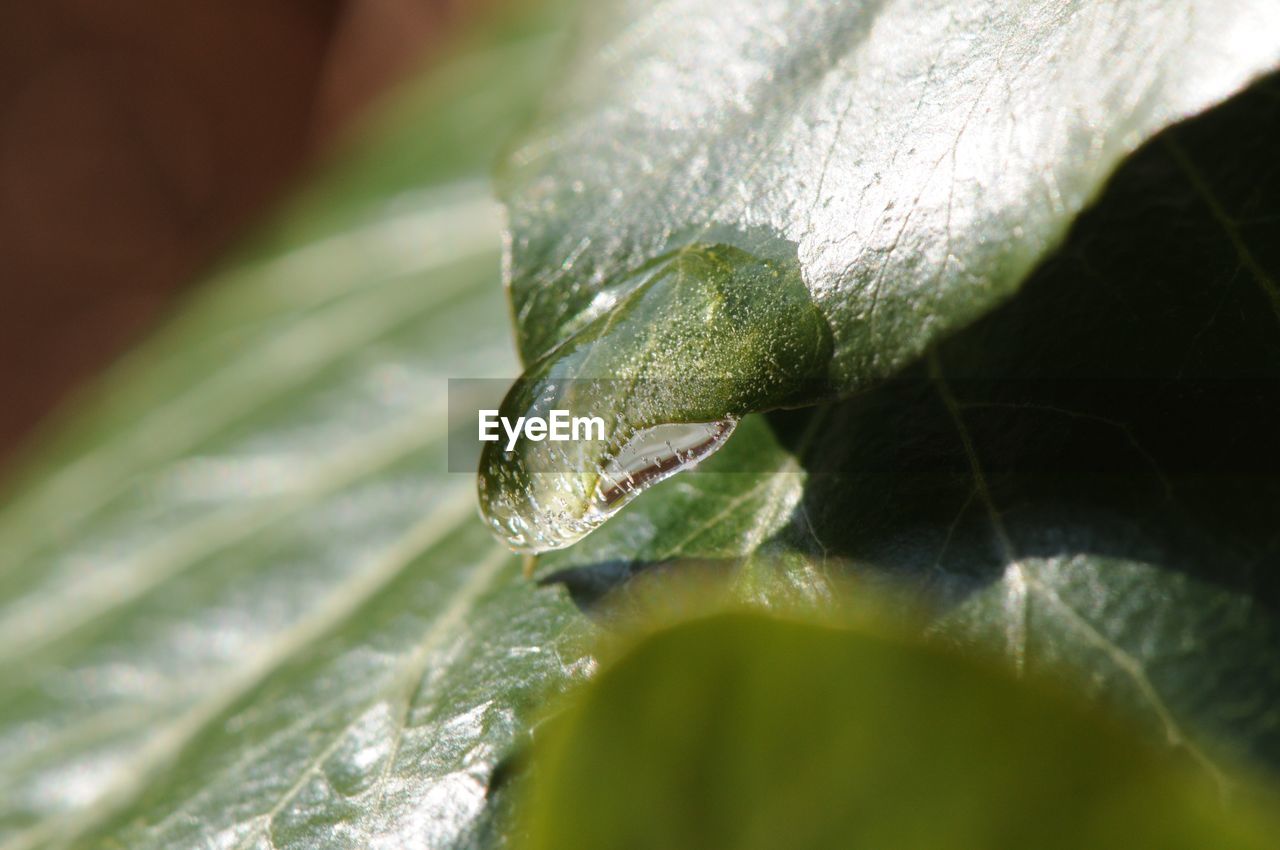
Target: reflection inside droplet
654,454
555,509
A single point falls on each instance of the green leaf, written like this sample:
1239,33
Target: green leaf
921,156
242,603
1085,481
741,731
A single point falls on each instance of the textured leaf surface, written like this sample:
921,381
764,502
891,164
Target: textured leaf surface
242,604
921,156
1085,480
886,745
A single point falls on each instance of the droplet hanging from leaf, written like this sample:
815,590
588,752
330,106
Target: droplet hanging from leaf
693,340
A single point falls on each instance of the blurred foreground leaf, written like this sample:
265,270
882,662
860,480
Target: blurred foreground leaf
741,731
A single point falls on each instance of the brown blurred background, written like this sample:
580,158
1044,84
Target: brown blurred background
138,136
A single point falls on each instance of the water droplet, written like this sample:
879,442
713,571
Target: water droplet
697,339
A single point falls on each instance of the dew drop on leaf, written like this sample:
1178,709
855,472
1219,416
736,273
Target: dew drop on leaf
695,339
